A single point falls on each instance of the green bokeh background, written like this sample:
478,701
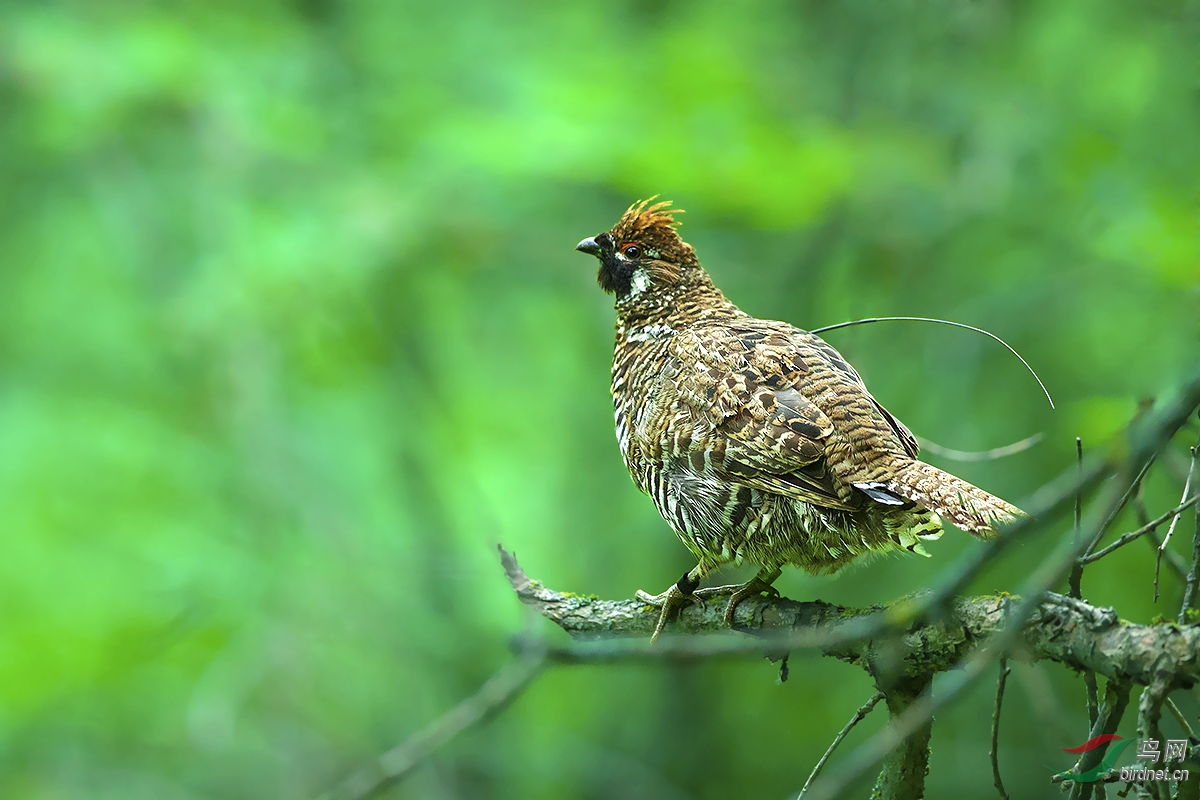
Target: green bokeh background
292,335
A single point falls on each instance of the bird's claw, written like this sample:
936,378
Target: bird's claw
738,592
750,588
669,601
655,600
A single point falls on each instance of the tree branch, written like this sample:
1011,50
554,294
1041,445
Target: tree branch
862,712
1126,538
903,773
994,753
1061,629
396,764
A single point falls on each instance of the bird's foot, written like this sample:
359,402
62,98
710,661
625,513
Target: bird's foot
737,593
677,596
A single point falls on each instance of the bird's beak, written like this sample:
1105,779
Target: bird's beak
588,246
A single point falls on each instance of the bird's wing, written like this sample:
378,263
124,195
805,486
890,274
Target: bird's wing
902,432
747,382
814,345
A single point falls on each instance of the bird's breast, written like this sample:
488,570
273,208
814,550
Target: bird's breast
641,402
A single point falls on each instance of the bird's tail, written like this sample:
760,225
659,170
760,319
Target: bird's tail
967,506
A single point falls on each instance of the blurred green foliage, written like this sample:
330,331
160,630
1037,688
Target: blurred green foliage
292,334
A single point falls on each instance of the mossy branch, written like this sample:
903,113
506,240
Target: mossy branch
1064,630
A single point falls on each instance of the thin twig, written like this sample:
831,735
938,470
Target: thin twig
397,763
1131,492
862,712
1172,559
1189,587
1176,562
1078,494
979,455
1074,583
1075,587
1182,720
1129,537
1187,487
995,752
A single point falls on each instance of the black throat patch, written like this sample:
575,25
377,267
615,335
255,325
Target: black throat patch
615,275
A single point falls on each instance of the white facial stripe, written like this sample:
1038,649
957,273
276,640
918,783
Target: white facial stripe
638,283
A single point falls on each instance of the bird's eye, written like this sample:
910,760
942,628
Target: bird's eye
631,251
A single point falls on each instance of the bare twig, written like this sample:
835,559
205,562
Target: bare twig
1189,587
995,751
1176,562
397,763
979,455
1187,487
1075,583
1126,538
1131,492
1170,557
1180,718
862,712
1079,493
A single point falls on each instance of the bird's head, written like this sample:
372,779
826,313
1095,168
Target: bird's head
642,259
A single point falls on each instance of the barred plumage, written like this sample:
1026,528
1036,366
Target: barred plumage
755,439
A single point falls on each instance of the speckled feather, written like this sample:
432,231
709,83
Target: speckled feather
755,439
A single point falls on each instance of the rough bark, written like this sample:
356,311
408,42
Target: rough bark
903,774
1068,631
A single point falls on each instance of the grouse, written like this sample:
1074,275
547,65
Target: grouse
755,439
